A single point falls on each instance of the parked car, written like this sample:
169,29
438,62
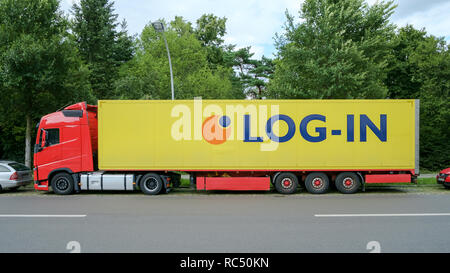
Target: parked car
444,178
13,175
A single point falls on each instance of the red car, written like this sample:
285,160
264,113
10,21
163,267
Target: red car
444,178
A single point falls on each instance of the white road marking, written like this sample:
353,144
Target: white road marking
383,215
42,216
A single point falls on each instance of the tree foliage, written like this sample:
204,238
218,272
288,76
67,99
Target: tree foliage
39,67
147,75
420,69
253,74
210,31
102,46
338,50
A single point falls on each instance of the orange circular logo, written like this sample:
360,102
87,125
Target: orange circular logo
215,131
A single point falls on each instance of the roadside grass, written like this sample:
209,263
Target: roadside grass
425,171
424,185
185,183
427,181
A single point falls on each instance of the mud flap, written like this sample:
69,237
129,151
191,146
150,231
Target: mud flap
76,183
166,182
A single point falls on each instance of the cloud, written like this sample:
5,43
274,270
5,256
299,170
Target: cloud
407,7
429,14
434,19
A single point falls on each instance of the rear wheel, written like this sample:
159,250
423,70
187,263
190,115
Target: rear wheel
447,186
151,184
347,182
62,184
286,183
317,183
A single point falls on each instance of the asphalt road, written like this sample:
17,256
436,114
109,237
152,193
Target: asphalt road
225,223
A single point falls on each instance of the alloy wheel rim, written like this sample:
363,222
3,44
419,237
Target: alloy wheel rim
151,184
348,182
317,183
62,184
286,183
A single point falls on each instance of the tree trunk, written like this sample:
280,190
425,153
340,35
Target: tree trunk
28,142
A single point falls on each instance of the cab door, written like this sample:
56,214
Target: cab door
48,152
71,147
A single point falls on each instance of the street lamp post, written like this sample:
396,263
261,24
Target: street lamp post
159,27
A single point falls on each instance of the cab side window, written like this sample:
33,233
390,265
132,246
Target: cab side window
3,169
52,137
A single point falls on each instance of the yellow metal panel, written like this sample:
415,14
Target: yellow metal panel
168,135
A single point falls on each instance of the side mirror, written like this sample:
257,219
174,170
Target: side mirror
42,142
44,138
37,148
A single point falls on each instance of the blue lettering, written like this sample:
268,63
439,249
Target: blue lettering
321,130
380,133
247,137
336,132
291,128
350,128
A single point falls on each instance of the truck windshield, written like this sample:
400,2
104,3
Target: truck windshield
19,167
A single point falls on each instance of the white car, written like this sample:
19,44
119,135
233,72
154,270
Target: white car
14,175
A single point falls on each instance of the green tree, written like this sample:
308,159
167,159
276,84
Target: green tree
338,50
39,67
420,69
248,76
102,46
147,74
209,31
253,75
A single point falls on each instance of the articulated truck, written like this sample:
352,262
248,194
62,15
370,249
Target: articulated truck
245,145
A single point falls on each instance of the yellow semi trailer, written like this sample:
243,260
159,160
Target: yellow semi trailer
241,144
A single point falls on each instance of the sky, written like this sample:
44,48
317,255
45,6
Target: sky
255,22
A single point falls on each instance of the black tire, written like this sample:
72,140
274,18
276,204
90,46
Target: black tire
151,184
348,182
62,184
286,183
447,186
317,183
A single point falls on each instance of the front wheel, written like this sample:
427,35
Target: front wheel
447,186
151,184
62,184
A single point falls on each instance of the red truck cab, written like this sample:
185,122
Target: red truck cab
66,142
